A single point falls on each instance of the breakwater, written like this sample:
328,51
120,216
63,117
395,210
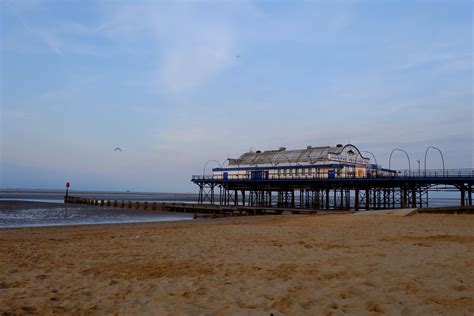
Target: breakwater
199,210
216,210
114,203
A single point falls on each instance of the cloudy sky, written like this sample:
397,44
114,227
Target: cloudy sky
175,84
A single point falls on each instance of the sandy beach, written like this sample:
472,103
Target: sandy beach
295,265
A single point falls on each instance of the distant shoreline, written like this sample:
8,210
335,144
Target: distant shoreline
30,194
63,191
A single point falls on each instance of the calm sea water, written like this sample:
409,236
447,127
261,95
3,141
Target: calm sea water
31,208
31,214
58,196
28,208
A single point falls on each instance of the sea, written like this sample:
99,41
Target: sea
36,208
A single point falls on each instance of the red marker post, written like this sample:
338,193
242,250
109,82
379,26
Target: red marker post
67,188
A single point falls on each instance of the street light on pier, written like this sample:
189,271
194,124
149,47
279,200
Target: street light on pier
375,159
440,152
205,165
403,151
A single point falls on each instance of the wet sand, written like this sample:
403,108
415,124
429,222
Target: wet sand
295,265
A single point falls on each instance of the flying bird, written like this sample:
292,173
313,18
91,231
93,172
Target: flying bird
118,149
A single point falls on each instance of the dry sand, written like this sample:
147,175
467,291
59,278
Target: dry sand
307,265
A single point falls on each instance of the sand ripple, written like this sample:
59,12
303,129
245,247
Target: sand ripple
295,265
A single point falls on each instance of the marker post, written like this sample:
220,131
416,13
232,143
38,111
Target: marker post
67,188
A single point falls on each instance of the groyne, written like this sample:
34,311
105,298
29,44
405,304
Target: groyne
216,210
199,210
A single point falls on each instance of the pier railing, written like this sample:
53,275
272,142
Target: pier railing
429,173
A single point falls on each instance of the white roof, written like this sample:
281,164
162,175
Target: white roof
298,156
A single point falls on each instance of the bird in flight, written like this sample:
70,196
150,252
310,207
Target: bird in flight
118,149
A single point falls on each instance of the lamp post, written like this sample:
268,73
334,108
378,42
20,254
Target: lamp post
205,165
419,168
390,159
440,152
223,163
375,159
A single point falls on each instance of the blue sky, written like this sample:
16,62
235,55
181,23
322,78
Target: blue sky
175,84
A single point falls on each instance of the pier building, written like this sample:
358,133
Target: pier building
312,162
325,178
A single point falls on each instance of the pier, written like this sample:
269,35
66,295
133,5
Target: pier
327,178
347,192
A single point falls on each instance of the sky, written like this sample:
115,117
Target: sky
175,84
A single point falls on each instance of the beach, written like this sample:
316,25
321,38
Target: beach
295,265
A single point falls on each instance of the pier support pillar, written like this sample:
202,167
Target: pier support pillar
327,199
463,196
375,200
470,195
317,197
384,192
302,198
367,200
356,201
413,197
212,194
421,197
393,198
200,195
404,197
341,203
348,199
